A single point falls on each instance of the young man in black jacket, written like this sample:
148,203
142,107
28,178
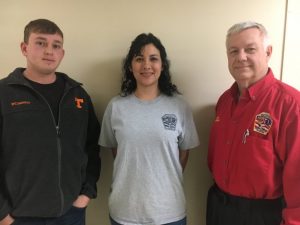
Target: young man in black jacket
49,154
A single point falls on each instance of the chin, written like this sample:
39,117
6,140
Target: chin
47,72
244,74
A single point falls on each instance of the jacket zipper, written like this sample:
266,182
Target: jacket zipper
57,127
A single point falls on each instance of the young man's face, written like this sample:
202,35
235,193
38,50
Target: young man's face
44,52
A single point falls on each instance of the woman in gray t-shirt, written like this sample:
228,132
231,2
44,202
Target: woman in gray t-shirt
150,129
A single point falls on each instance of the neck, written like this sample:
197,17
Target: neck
147,94
39,78
246,83
242,89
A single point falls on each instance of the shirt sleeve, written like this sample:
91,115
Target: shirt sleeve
290,140
93,151
107,136
211,148
189,138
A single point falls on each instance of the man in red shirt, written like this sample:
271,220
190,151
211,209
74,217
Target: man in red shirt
254,147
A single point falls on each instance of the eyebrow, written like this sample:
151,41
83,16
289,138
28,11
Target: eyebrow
155,55
247,46
45,39
149,55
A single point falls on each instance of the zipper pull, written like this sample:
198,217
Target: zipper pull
58,131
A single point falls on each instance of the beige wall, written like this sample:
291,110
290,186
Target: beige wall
97,36
291,65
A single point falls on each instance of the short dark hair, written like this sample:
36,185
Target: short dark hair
42,26
128,81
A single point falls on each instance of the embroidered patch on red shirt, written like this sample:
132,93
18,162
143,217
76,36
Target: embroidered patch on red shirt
263,123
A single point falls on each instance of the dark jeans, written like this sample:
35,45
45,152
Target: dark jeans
224,209
179,222
74,216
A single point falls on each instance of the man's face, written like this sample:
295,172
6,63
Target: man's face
44,52
247,56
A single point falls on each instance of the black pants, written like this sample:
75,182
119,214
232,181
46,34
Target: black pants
224,209
74,216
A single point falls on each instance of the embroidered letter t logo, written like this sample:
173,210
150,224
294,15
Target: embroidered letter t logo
79,101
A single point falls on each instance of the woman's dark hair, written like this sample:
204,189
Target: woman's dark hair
128,81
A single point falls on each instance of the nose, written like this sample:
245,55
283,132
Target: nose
48,50
242,56
146,64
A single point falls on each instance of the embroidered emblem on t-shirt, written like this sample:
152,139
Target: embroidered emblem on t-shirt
169,121
263,123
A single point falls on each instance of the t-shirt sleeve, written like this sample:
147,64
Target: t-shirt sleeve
107,136
188,139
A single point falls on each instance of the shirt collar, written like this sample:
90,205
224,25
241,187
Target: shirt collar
253,92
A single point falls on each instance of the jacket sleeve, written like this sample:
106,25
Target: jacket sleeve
290,139
93,168
5,207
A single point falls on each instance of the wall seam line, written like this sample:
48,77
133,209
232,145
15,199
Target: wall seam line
284,39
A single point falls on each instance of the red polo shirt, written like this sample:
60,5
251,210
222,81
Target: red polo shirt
254,147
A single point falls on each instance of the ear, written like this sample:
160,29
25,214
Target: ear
269,51
23,47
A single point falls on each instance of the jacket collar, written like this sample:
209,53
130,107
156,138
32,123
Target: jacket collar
17,77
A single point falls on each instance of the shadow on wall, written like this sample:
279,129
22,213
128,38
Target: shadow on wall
97,212
197,175
102,80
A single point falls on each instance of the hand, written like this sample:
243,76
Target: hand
81,202
183,158
7,220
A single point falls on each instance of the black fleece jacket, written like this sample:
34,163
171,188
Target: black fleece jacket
44,166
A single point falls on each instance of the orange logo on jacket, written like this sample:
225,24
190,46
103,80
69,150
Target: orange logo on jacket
20,103
79,102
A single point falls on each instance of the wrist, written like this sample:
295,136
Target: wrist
82,201
7,220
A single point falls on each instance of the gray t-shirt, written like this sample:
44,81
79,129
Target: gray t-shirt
147,185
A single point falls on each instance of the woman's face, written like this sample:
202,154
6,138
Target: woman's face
147,67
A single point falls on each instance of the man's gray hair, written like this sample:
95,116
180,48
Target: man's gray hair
239,27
